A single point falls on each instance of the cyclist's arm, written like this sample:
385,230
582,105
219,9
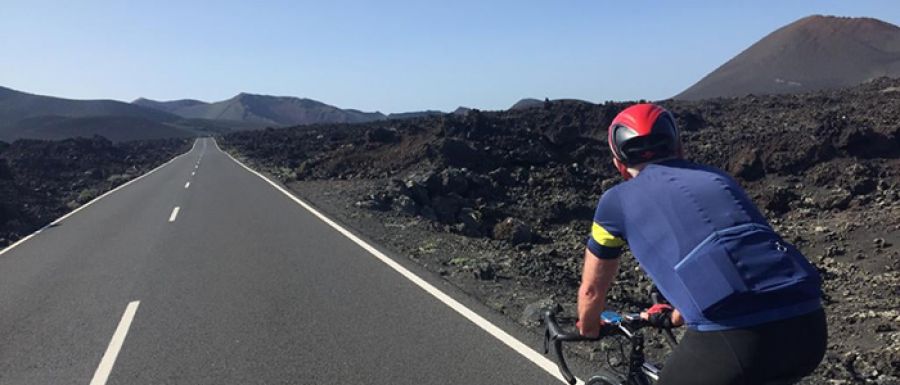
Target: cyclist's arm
601,262
596,278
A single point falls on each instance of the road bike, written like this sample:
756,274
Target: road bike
628,325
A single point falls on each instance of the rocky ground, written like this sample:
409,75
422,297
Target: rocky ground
499,203
42,180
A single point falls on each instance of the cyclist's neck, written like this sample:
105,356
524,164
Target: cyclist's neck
636,169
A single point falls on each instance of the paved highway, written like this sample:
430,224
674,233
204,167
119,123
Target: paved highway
202,272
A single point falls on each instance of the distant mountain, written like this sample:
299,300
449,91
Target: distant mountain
266,110
17,105
462,111
527,103
813,53
170,106
24,115
414,114
114,128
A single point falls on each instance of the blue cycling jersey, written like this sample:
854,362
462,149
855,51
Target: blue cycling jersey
706,246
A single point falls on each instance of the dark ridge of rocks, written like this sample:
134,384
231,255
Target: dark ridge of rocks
42,180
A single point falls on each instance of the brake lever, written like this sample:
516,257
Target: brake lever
553,339
636,320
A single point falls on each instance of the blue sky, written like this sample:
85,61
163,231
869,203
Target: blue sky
391,56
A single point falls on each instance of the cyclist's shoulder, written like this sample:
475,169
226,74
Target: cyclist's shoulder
614,189
611,195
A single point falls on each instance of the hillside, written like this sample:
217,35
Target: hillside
114,128
813,53
30,116
169,106
527,103
16,106
265,110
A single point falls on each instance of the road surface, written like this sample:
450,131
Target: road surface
203,273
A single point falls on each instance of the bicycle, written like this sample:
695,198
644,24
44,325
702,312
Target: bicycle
640,372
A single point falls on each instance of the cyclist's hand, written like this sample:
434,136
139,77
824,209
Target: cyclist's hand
590,329
663,316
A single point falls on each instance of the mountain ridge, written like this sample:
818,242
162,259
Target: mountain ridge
813,53
167,106
25,115
266,110
17,105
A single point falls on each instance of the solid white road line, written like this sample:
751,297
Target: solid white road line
82,207
118,338
494,330
174,214
188,184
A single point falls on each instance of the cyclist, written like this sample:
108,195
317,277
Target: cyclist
750,300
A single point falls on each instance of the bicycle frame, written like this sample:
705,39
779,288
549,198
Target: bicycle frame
640,372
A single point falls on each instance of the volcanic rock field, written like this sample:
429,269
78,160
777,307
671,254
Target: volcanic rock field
42,180
499,203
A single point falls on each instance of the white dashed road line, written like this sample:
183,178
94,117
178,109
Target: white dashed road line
193,173
174,214
118,338
188,184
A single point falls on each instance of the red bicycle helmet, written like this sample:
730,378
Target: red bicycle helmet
643,133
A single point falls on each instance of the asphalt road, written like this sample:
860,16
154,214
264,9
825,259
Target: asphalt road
240,286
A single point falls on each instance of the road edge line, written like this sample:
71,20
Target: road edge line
492,329
79,208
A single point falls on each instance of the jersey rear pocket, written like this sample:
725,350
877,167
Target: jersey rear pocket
739,261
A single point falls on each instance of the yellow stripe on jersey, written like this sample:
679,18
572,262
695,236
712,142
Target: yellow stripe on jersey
604,238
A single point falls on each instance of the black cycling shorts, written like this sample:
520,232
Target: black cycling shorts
775,353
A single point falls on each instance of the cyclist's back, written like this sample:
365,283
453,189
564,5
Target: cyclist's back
750,300
707,247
